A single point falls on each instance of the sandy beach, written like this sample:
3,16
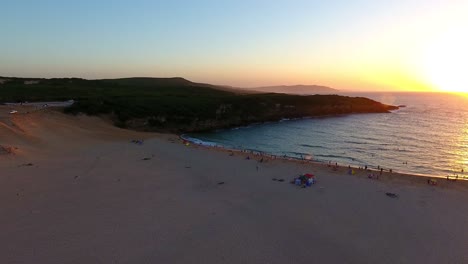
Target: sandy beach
75,189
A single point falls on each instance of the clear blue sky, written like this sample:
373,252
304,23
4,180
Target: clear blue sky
227,42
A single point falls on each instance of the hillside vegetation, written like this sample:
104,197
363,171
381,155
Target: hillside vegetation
297,89
176,104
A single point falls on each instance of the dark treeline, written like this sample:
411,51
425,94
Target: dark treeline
177,105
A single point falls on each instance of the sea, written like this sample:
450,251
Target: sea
428,136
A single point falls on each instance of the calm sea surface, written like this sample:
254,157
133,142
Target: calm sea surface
428,136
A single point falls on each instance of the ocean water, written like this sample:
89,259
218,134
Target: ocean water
429,136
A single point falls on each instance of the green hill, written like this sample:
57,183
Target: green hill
297,89
154,82
176,104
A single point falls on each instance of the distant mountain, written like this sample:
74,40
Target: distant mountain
141,82
170,82
174,82
297,89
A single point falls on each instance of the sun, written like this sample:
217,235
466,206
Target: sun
445,60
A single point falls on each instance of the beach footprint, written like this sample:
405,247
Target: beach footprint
422,203
423,200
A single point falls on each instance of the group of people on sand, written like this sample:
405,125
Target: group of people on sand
334,167
261,160
265,157
137,141
261,157
304,180
351,170
456,177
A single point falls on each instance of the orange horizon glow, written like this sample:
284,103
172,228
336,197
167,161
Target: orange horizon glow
370,46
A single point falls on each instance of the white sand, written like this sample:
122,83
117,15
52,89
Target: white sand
90,198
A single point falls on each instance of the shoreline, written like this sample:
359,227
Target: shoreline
31,109
359,172
452,177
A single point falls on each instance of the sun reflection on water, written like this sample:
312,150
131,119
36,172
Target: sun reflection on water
459,165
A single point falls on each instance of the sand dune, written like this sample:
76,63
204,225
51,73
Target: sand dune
51,131
80,192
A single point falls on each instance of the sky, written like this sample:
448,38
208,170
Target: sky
362,45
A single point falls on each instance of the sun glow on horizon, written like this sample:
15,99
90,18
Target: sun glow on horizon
412,45
445,60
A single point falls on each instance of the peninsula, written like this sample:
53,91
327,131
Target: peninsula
177,105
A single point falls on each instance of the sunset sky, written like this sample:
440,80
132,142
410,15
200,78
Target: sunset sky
357,45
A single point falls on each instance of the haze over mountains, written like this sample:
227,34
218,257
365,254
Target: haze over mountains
179,81
182,82
297,89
